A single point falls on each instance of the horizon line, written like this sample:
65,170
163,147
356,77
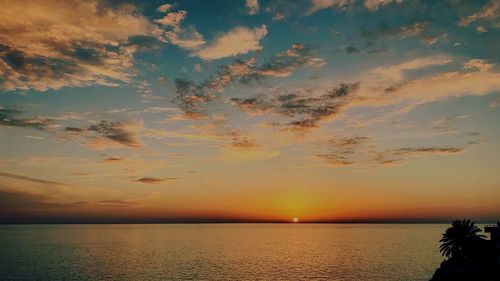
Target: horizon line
230,221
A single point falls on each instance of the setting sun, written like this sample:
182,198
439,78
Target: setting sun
295,220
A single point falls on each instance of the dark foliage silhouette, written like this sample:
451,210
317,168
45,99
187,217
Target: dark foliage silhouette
468,255
459,240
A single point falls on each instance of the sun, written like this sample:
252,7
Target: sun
295,219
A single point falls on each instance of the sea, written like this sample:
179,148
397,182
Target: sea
295,251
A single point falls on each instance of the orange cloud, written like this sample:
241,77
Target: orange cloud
74,34
239,40
489,11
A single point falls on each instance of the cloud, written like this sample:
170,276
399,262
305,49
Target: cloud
113,159
335,160
392,85
346,144
443,124
478,80
252,6
374,5
478,64
412,30
343,151
186,38
151,180
258,104
418,29
239,40
481,29
283,64
489,11
244,142
397,72
278,17
172,19
117,203
114,131
58,44
159,109
400,155
10,117
307,110
404,86
317,5
171,30
165,8
108,131
355,151
417,151
30,179
192,97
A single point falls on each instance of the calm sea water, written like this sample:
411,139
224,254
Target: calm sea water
357,252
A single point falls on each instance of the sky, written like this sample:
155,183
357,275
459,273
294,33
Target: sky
192,111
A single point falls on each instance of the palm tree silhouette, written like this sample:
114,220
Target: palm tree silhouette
460,239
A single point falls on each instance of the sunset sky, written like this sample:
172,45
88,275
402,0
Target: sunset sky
324,110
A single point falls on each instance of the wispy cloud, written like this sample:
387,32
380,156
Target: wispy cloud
472,82
398,156
417,151
151,180
239,40
283,64
253,6
416,29
11,117
335,159
108,131
30,179
113,159
374,5
117,203
343,151
397,72
489,11
317,5
443,124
